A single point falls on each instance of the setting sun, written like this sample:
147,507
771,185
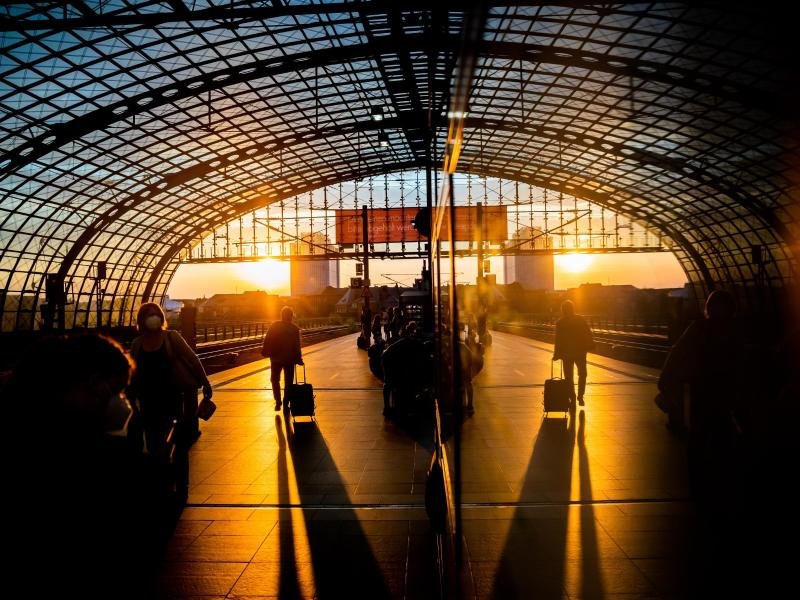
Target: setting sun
269,275
574,263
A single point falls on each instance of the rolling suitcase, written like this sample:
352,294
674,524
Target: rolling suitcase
300,397
557,396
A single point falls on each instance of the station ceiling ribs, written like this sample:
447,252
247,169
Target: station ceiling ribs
128,129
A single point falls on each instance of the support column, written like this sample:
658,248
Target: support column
365,238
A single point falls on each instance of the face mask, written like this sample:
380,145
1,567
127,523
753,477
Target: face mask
153,322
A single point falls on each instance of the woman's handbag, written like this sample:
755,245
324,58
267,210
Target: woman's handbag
206,409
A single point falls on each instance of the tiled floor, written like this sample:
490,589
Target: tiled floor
593,507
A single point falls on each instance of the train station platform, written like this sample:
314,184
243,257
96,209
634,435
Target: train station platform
595,506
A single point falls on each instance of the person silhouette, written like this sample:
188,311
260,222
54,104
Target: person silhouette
573,340
167,377
88,491
282,346
709,359
366,322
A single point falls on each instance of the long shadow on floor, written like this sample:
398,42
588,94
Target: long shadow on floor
591,578
540,558
534,558
288,582
339,552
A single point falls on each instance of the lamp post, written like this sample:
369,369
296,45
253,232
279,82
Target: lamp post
100,275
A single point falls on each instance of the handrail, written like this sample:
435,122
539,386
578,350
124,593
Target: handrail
217,331
605,322
229,352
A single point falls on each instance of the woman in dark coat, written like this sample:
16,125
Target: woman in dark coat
168,374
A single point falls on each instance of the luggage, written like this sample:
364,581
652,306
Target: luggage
300,397
375,352
362,342
557,392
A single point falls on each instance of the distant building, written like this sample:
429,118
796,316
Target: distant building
381,298
172,308
316,305
249,305
311,276
599,299
532,272
351,302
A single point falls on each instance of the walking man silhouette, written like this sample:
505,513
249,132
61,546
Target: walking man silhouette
282,346
573,340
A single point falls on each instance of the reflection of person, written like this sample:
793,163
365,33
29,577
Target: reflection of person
467,358
474,345
366,322
573,340
403,371
168,374
376,328
282,346
396,323
481,321
387,323
86,493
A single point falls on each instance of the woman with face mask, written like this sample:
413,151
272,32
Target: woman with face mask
86,493
165,384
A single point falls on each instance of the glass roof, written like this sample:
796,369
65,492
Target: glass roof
130,128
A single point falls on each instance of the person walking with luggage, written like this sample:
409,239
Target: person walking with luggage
573,340
282,346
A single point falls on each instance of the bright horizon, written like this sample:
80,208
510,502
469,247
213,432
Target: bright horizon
642,270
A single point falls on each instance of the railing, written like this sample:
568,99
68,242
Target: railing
217,331
227,353
631,346
607,323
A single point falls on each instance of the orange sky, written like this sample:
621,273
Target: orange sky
647,270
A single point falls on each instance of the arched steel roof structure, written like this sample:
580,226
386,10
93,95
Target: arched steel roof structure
131,127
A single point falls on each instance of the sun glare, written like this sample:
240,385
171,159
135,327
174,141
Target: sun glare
574,263
269,275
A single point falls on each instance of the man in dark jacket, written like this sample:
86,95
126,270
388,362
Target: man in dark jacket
573,340
282,346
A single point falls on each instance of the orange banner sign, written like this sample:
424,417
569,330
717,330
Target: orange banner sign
394,225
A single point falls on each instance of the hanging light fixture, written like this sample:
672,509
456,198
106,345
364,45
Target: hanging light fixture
383,139
457,114
376,112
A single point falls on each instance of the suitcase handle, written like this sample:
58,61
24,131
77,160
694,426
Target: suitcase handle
304,374
561,362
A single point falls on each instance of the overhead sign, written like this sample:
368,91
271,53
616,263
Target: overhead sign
395,225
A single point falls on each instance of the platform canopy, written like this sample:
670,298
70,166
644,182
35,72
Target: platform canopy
129,128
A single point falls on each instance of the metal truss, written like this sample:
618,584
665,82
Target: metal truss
130,130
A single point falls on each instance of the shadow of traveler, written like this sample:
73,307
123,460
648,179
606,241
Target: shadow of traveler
573,340
282,347
84,504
